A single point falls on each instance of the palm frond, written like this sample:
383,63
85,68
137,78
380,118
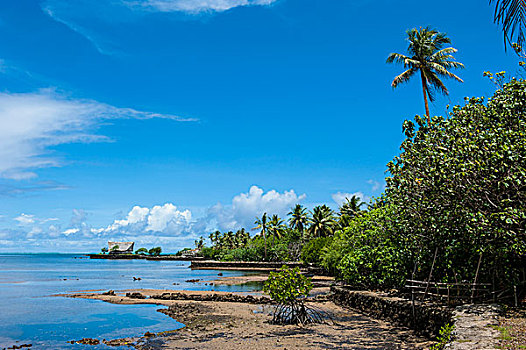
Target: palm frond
436,84
511,15
396,57
441,70
446,52
404,77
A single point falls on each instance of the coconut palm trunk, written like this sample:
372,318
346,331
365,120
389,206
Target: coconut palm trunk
424,88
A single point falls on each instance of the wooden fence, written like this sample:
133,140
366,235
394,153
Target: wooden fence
456,293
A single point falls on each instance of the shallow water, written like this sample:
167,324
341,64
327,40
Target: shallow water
30,314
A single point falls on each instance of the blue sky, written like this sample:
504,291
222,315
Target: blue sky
160,120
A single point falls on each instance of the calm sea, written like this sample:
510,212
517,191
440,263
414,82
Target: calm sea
29,313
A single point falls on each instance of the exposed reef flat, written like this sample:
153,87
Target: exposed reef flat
242,325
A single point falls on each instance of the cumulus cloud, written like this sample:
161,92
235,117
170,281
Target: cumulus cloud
164,220
339,197
34,122
195,6
245,207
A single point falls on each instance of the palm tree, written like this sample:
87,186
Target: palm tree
242,237
230,240
215,238
299,218
276,226
199,244
322,221
511,14
430,58
351,207
261,224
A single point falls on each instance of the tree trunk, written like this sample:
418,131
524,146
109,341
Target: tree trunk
265,239
424,88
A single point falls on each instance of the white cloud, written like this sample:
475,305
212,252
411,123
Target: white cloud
246,207
161,218
25,219
70,231
164,220
28,219
340,197
34,122
194,6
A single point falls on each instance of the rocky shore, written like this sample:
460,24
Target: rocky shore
219,320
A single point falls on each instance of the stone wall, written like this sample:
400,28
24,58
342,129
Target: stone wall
425,319
240,265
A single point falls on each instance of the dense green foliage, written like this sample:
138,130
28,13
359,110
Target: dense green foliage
311,252
156,251
369,252
459,187
258,248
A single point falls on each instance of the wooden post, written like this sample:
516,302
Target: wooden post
475,280
430,273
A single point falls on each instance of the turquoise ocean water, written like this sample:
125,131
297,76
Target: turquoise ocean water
30,314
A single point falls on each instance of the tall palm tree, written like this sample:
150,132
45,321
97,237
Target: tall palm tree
276,226
351,207
261,224
428,57
511,14
230,240
322,221
242,237
299,218
215,238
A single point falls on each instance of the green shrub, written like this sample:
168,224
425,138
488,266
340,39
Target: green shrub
312,251
288,287
445,336
209,253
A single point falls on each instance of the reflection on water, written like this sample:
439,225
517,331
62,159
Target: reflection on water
29,315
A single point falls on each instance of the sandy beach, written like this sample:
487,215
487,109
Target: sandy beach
231,325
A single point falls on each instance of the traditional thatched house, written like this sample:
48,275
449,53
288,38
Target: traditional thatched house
120,247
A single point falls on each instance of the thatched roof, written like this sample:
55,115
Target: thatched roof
120,246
